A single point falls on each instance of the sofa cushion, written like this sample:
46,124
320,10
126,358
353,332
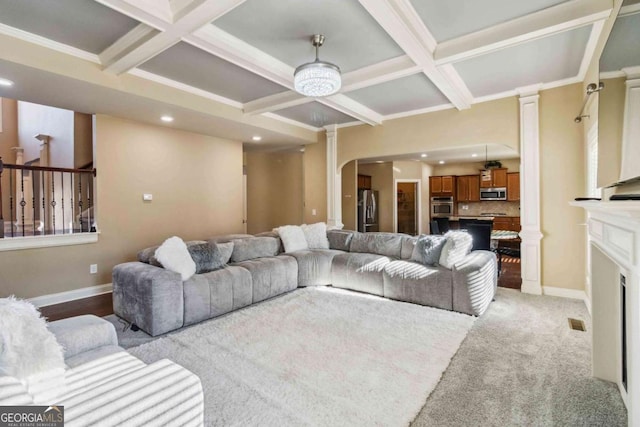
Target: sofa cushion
276,236
314,266
292,238
174,256
207,257
408,243
387,244
229,238
420,284
457,246
428,249
215,293
226,249
359,272
316,235
340,239
271,276
255,247
81,334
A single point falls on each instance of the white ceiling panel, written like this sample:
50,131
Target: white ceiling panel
541,61
315,114
283,29
195,67
447,19
397,96
83,24
623,47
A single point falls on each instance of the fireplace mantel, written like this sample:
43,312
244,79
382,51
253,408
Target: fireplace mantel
614,243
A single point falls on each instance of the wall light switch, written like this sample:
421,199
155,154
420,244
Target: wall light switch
314,212
147,197
93,268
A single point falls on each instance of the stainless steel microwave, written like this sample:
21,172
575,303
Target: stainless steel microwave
493,193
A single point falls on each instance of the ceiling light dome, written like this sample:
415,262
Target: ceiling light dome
317,78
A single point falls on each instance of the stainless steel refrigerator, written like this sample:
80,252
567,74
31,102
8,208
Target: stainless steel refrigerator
368,211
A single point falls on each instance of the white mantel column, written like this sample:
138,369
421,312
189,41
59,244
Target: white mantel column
334,180
530,194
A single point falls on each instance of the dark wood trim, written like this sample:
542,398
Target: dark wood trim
99,305
49,169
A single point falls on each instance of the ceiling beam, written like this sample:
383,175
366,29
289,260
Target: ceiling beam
563,17
400,20
139,46
156,14
222,44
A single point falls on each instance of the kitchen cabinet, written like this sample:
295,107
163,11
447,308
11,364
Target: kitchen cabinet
513,187
364,182
493,178
468,188
511,223
441,185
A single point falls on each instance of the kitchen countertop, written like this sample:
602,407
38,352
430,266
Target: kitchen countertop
458,218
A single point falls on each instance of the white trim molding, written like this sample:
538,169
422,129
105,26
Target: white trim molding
564,293
334,180
76,294
32,242
530,189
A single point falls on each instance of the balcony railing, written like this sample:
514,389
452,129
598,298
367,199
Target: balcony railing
45,200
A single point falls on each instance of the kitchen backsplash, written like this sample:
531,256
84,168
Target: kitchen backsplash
478,208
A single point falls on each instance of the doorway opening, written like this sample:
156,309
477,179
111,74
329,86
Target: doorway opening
407,207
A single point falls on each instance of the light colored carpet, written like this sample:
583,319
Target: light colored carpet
521,365
317,357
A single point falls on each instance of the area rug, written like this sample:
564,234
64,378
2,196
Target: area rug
317,356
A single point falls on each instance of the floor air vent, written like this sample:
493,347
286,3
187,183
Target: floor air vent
577,325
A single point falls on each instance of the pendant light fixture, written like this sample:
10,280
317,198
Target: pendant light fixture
317,78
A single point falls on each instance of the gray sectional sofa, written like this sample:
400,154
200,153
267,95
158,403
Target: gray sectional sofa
158,301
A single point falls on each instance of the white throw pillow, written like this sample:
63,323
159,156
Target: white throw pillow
29,352
457,247
174,255
292,238
316,235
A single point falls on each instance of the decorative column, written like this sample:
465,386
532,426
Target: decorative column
530,194
334,180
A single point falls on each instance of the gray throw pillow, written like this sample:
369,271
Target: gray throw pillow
148,256
207,257
226,249
428,249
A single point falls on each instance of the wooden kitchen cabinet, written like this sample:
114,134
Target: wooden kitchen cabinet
364,182
498,178
441,185
513,187
510,223
468,188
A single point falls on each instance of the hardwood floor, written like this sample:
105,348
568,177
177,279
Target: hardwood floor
510,275
100,305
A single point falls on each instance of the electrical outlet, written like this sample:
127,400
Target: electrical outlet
314,212
93,268
465,207
147,197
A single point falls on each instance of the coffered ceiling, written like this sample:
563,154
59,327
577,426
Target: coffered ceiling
398,57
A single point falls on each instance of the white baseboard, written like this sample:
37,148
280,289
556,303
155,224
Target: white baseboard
565,293
51,299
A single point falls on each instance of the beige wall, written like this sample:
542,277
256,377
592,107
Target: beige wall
196,182
381,180
82,140
350,195
8,139
494,122
315,181
473,168
562,179
274,190
427,171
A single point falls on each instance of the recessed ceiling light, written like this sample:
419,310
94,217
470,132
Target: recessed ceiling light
474,155
441,162
379,161
423,155
5,82
256,138
166,119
